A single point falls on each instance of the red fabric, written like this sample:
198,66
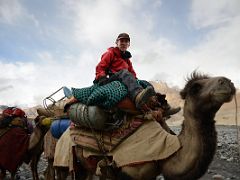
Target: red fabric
122,133
13,111
13,148
113,61
127,105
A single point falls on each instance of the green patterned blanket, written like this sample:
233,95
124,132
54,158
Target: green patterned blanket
106,96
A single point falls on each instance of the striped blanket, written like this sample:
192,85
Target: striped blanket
109,140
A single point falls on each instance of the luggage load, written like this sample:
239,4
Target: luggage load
13,116
13,112
58,127
88,116
54,105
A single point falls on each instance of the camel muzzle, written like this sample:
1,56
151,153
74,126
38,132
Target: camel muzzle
224,91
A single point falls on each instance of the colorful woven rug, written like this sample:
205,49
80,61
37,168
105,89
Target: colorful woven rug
107,141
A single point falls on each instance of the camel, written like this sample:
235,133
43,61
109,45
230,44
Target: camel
203,96
52,111
35,148
53,172
49,148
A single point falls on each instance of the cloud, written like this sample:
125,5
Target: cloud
215,53
10,10
97,23
17,70
6,88
218,52
206,13
35,81
13,12
93,24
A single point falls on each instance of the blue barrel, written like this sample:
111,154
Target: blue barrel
58,127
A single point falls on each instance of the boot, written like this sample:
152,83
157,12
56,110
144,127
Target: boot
67,92
170,111
143,97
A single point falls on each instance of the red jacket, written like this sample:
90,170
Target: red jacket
113,62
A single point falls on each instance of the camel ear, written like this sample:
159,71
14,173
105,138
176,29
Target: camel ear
191,90
195,88
183,94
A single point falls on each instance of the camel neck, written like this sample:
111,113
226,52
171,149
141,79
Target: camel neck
35,137
198,140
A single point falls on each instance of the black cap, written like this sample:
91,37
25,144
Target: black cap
123,36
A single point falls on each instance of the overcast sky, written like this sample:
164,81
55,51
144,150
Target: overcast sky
47,44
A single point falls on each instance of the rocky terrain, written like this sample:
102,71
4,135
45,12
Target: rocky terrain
226,163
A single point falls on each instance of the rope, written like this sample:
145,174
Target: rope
100,145
236,120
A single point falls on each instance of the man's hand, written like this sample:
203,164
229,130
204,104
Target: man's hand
102,81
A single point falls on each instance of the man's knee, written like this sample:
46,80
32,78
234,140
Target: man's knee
124,72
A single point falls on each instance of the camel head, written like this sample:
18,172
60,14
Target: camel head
39,122
207,94
38,132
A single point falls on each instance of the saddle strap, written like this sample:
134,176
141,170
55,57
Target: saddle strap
4,131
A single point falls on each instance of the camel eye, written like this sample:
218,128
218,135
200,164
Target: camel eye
196,87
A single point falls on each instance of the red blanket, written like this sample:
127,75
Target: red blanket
13,148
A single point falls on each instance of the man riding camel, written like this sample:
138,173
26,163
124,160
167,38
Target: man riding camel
115,64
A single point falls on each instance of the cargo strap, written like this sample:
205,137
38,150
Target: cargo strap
4,131
112,167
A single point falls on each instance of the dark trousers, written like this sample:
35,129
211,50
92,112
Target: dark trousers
129,81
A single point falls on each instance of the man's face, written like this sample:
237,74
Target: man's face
123,44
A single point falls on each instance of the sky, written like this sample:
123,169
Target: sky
45,45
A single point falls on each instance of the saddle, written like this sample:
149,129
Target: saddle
104,141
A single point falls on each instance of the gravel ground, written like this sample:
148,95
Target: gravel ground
226,163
